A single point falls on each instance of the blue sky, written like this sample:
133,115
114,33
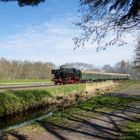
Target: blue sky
45,33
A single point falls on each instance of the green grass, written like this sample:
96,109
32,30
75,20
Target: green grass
65,89
133,131
102,104
21,81
11,102
126,84
98,103
108,103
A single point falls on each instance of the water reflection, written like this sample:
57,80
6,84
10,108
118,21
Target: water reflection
24,118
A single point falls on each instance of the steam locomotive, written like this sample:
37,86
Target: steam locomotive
75,76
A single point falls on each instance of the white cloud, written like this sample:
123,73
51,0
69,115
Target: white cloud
56,34
52,41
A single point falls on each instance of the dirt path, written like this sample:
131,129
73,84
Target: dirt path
86,125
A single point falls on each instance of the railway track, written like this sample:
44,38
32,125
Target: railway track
23,87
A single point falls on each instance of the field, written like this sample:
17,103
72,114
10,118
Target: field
23,82
108,116
111,116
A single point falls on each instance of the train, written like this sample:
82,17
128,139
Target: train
74,76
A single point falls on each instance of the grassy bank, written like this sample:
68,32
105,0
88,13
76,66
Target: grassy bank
98,103
19,101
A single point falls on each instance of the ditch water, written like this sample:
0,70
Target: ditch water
24,119
29,117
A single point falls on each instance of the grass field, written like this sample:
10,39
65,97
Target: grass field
133,133
23,80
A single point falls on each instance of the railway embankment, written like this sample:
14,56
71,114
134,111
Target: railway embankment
14,102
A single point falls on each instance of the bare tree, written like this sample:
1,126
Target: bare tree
108,68
137,56
25,69
122,67
100,18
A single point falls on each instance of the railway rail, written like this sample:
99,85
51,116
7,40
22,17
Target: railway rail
23,87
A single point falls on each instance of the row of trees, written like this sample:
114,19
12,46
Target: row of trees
120,67
132,68
123,67
24,69
39,70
